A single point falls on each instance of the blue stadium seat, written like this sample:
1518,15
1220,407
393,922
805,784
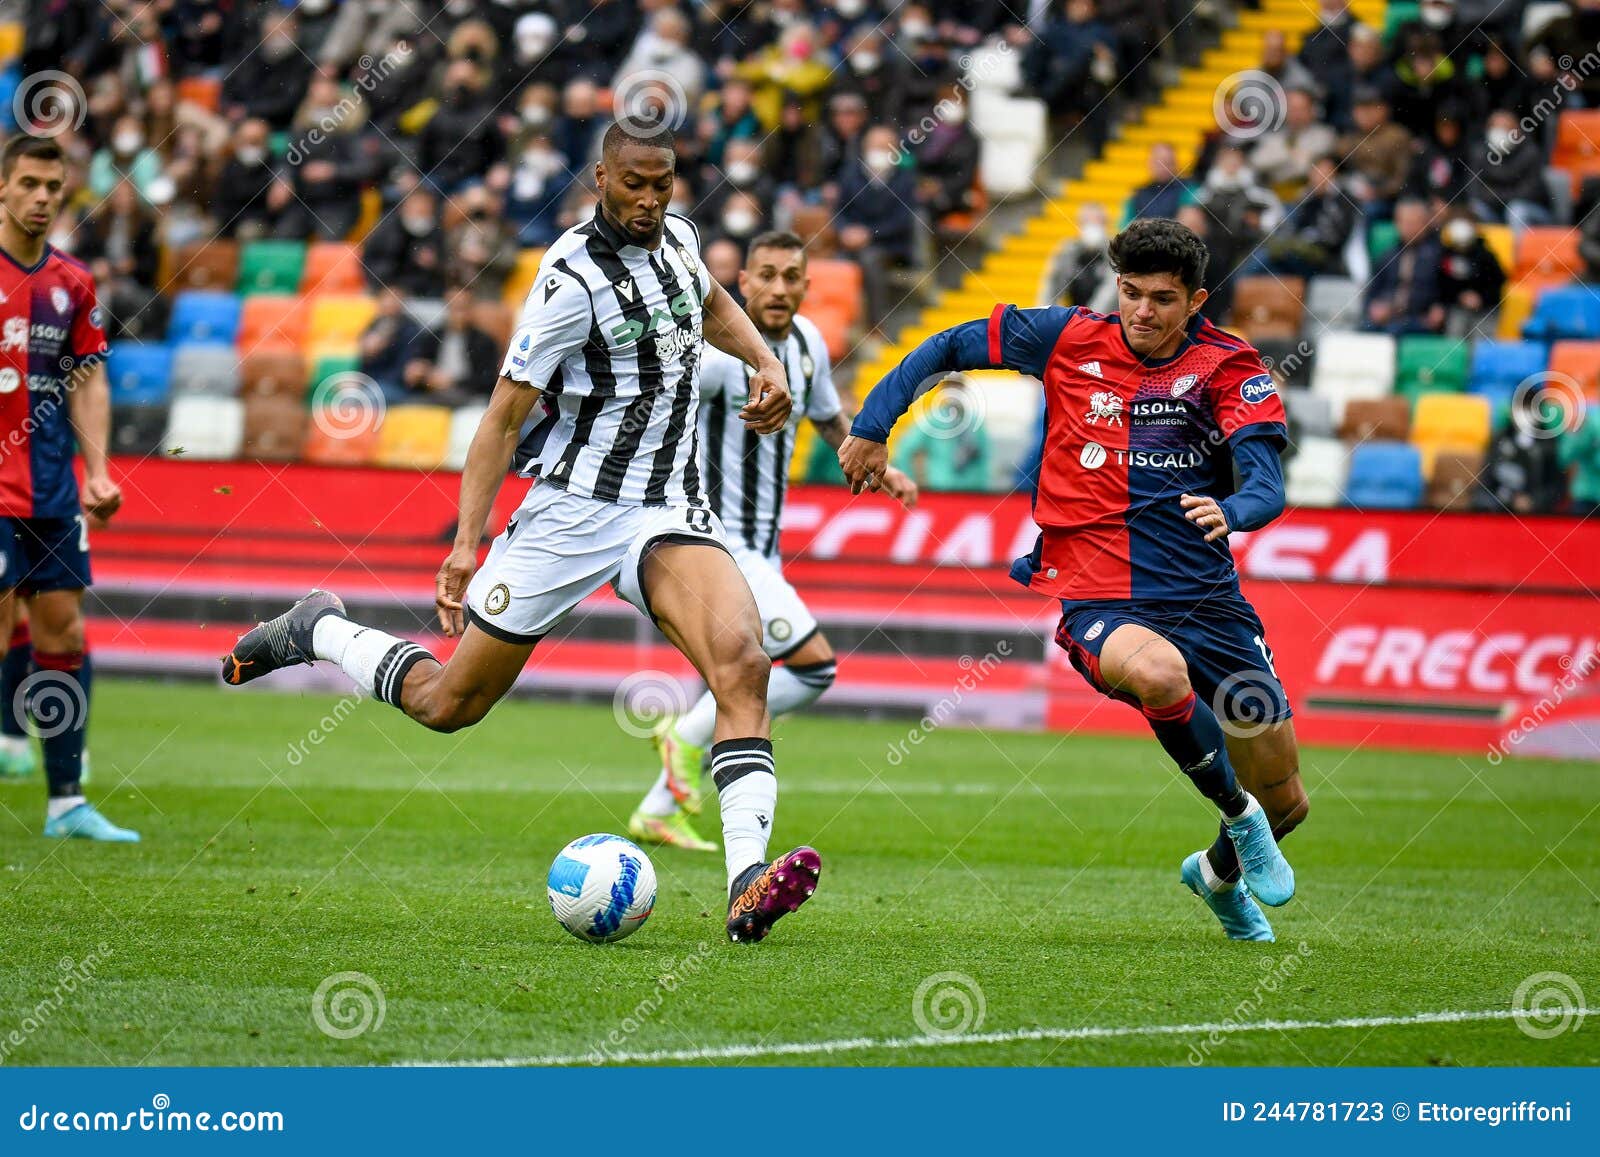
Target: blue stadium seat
1562,312
201,315
140,373
1497,366
1384,476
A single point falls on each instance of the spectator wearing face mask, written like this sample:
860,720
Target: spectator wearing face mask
729,119
1081,272
1470,277
797,66
246,204
460,141
126,157
741,172
947,159
534,39
1234,198
326,162
740,219
539,181
877,225
270,80
405,249
875,72
481,246
664,47
118,240
1507,182
316,21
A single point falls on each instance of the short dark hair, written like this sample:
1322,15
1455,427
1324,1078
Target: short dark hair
1160,245
620,134
22,145
774,239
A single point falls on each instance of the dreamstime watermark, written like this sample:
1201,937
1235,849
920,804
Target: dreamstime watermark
301,748
74,974
1287,366
76,370
1574,673
646,699
49,103
1247,703
642,1013
1276,974
1250,104
973,73
348,405
1547,405
1573,73
975,671
954,408
649,102
348,1004
1548,1004
53,701
373,73
949,1004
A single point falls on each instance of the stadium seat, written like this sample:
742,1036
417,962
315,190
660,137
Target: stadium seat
1516,307
463,425
1382,236
140,373
523,275
1577,362
274,427
1498,366
1564,311
1501,243
813,224
1268,307
1332,303
1353,365
333,267
1450,423
272,322
1397,14
273,372
1577,151
203,316
1013,133
1376,419
206,368
1428,364
1547,255
204,91
837,285
495,318
205,428
1315,475
138,429
339,319
327,364
333,442
1384,476
835,326
271,266
1453,480
209,265
1290,361
414,437
1310,415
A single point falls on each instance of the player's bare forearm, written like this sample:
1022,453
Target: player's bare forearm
895,483
489,457
729,329
834,430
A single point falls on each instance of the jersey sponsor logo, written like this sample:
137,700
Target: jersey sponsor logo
1093,456
1158,407
59,298
1104,404
44,383
1257,389
632,330
14,334
1159,460
1184,384
1092,368
1096,629
50,332
674,343
9,380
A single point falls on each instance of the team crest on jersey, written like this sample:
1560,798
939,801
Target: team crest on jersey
498,599
14,334
780,630
1104,404
97,317
688,261
1184,384
60,299
1257,389
9,380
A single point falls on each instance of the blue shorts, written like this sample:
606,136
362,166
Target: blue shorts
1222,640
44,554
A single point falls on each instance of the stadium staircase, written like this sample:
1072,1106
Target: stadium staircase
1182,115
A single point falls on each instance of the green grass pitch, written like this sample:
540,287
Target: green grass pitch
1041,868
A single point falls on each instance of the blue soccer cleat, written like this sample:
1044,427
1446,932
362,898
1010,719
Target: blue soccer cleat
85,823
1240,916
17,760
1261,864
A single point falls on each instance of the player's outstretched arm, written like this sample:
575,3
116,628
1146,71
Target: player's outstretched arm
893,481
488,460
89,406
729,329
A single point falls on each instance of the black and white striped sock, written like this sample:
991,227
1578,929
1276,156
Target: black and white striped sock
375,660
747,786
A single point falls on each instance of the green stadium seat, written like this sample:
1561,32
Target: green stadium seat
271,267
1382,236
1398,15
1428,364
330,364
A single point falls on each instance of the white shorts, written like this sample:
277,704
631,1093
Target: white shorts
786,622
559,548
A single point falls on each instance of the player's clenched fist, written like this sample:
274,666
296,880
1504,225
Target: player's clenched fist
769,404
454,575
863,463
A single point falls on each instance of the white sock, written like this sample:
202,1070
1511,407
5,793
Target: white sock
747,786
376,661
700,723
1213,882
658,801
789,690
14,744
57,807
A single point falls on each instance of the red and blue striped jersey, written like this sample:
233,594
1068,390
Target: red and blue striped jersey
50,322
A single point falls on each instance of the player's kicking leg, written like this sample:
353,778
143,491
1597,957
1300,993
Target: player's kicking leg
703,605
1139,662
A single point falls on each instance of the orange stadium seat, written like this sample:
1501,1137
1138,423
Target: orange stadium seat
275,321
338,319
274,427
835,326
329,443
1579,361
273,373
205,91
836,284
1578,144
1548,255
1269,307
333,267
209,265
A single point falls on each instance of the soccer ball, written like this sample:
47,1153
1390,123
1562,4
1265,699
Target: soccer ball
602,888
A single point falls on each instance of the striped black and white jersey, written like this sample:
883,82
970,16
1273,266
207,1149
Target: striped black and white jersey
611,333
746,475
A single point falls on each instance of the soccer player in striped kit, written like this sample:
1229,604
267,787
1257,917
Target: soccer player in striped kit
746,476
53,395
1148,411
611,338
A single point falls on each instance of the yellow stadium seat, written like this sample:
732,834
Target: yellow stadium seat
11,36
1499,240
1451,423
414,437
522,278
339,319
1515,308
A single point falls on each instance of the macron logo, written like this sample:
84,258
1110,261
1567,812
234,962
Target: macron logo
625,289
1092,368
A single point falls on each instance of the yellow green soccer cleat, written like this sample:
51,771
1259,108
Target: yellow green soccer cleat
674,831
682,763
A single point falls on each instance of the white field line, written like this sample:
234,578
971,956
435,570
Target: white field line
871,1044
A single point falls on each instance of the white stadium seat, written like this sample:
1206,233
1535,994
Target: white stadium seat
1332,303
1353,366
1317,472
205,427
463,425
1311,415
206,368
1013,131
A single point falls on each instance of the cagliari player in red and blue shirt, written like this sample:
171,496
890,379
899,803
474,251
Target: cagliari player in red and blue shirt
1147,413
55,404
